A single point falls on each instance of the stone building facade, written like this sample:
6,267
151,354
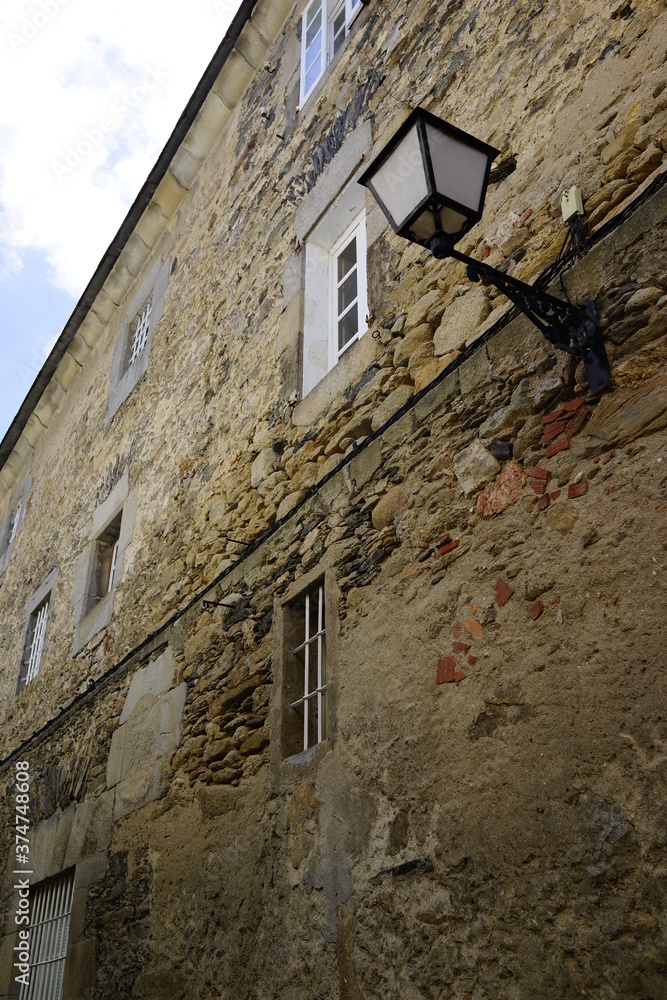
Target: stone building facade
339,673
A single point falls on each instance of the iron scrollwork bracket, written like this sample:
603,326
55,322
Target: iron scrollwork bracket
569,328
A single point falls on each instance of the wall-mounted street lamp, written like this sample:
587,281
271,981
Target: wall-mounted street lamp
430,181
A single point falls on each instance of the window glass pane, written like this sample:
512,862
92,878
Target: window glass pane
347,258
348,327
313,20
312,74
312,57
347,292
338,29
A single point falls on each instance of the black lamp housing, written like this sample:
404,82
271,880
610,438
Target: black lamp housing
430,181
431,177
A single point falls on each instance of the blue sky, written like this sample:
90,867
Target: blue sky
91,92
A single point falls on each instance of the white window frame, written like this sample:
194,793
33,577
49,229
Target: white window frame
39,620
328,10
112,565
313,646
50,910
346,218
355,231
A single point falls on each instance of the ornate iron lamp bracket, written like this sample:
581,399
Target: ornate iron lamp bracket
569,328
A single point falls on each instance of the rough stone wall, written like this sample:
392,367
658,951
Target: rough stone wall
499,835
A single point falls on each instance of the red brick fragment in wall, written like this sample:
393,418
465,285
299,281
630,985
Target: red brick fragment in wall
556,415
493,626
503,491
502,592
575,490
553,430
555,494
457,630
574,425
535,472
535,610
543,502
526,215
473,627
459,676
561,445
461,647
538,486
454,544
472,660
446,668
596,459
609,457
444,539
573,404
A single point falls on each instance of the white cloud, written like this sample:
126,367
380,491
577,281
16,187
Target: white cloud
92,92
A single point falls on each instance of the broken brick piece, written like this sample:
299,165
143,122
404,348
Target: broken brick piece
446,668
574,425
575,490
557,415
538,486
555,494
461,647
535,610
561,445
537,473
596,459
473,627
553,430
444,539
543,502
493,626
459,676
456,629
454,544
609,457
573,404
472,660
502,592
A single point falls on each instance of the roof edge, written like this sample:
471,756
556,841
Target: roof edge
137,209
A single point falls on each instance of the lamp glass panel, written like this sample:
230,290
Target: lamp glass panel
425,225
451,222
459,170
401,179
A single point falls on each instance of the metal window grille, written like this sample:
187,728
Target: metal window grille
312,653
50,906
15,523
40,617
140,333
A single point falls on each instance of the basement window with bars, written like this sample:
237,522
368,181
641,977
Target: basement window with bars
305,680
50,909
34,643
